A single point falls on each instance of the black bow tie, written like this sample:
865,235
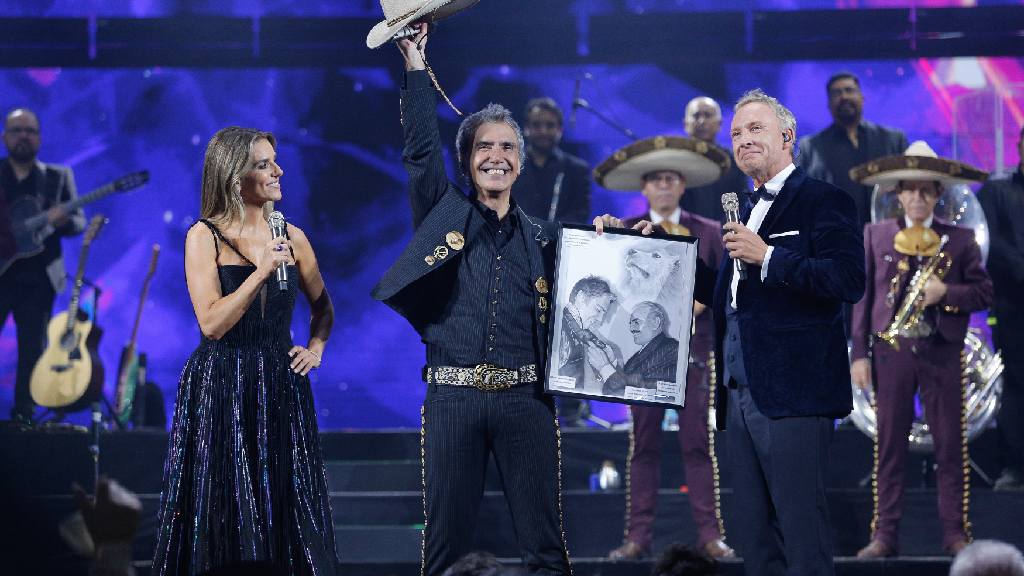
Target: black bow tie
760,194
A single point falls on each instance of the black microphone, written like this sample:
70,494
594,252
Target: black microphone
277,230
731,207
582,334
575,99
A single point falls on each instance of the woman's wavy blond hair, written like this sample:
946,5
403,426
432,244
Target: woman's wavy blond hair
227,161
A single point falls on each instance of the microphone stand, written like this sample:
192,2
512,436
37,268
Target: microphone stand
580,103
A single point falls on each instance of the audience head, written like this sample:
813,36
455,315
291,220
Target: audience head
988,558
475,564
680,560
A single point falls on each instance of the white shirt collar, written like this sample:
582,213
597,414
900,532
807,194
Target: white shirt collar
779,180
927,221
673,217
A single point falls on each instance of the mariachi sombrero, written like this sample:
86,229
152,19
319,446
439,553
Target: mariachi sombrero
401,13
919,162
698,161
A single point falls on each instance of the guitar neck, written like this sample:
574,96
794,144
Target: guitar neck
72,205
138,312
76,291
90,234
145,290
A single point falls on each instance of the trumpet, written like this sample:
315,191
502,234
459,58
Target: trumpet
909,313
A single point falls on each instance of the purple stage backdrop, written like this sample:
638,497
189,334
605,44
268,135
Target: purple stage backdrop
340,147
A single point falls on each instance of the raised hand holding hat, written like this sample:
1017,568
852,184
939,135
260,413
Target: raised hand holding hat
401,13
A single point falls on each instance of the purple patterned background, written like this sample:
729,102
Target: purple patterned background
339,144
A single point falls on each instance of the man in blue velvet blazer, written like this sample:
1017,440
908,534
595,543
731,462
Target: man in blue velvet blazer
780,342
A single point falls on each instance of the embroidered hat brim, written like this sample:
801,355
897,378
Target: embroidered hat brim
699,162
918,162
892,169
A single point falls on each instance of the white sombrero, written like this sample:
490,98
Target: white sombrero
698,161
919,162
401,13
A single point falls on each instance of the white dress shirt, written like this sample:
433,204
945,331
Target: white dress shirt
673,217
927,221
757,217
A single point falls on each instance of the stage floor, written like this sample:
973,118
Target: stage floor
375,484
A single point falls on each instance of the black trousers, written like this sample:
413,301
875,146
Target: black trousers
778,471
26,292
461,427
1008,335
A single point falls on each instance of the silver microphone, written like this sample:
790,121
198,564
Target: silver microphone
277,230
731,207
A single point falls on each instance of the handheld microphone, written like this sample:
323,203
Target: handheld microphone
575,99
731,207
582,334
277,230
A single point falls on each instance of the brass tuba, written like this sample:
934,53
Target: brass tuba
982,367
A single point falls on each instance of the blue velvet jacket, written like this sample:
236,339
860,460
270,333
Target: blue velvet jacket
791,324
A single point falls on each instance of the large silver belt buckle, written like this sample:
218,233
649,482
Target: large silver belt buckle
488,377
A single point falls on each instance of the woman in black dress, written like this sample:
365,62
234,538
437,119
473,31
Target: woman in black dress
244,478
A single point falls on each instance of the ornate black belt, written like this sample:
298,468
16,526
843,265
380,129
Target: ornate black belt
487,377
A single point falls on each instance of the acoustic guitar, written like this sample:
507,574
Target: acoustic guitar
29,225
132,370
69,374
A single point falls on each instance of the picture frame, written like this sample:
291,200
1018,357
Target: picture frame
622,316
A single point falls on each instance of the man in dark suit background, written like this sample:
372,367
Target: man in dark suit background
780,343
30,285
555,185
1002,199
849,141
702,120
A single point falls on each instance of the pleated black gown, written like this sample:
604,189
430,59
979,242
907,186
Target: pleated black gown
244,477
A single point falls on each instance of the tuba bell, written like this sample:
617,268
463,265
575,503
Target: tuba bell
982,367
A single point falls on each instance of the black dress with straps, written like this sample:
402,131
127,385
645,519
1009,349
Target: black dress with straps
244,477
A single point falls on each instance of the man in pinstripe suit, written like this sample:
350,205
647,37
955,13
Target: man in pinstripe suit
474,283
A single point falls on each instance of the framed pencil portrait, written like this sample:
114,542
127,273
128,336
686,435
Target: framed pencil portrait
622,315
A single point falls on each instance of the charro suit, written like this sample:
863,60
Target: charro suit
29,286
783,348
463,425
695,440
932,363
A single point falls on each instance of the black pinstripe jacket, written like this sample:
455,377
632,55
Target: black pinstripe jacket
419,284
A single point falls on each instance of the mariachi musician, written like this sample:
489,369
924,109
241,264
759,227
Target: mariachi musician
662,168
925,278
29,285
